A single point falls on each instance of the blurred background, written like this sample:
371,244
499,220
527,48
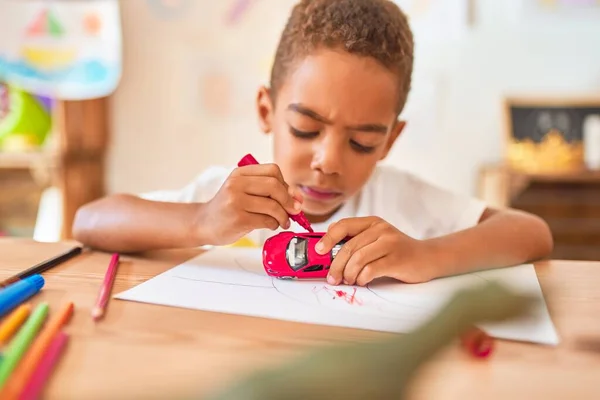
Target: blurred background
110,96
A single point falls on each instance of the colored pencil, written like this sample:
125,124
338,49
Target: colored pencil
104,294
44,369
19,292
27,365
13,322
43,266
21,342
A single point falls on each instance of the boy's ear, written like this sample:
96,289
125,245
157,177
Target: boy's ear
264,107
394,134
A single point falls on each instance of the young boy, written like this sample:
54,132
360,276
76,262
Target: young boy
340,79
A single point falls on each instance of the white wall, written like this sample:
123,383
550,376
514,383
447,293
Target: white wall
162,138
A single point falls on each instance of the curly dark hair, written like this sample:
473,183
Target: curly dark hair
371,28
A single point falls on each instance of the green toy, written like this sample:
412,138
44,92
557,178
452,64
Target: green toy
26,121
380,369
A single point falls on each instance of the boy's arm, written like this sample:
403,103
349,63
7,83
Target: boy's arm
252,197
378,249
501,238
126,223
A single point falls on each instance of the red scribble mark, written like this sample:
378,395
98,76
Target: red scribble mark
348,298
353,296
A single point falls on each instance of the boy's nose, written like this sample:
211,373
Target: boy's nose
327,157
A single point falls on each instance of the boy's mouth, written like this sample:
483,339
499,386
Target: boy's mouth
319,193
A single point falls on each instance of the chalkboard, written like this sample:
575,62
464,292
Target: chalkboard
534,122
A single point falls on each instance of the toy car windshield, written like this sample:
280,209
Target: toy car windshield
296,253
336,249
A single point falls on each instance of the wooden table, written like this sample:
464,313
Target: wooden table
148,351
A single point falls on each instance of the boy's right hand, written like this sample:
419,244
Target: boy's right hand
252,197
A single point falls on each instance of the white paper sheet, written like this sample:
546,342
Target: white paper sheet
232,280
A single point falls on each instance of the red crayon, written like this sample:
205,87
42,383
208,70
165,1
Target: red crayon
300,218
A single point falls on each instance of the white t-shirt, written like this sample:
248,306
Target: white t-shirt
414,206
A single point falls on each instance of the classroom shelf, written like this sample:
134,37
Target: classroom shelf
569,202
26,160
581,175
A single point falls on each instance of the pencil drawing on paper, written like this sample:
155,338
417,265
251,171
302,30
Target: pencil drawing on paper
233,281
247,272
390,299
340,294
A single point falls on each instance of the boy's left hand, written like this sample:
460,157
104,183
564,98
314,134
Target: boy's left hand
377,249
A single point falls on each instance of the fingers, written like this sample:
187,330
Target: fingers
267,180
255,221
268,207
337,271
362,258
365,261
260,170
271,187
296,194
366,246
373,270
342,229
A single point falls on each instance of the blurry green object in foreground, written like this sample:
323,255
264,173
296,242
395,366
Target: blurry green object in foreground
381,369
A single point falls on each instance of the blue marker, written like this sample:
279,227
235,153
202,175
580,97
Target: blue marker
18,292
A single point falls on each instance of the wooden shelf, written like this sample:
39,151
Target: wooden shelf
25,160
77,166
569,202
581,175
40,165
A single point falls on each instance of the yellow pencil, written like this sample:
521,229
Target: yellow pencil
13,321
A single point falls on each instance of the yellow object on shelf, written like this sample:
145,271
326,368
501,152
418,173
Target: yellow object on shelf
552,155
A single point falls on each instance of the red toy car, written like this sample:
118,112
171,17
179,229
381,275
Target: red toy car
292,255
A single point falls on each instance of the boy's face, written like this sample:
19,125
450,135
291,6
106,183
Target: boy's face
333,120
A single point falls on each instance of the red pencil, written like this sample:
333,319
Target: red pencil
104,295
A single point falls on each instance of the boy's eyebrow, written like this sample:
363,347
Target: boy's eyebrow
377,128
308,112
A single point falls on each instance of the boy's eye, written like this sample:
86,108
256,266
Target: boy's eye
355,145
360,148
303,134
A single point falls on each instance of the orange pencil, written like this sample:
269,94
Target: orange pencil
13,321
21,375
